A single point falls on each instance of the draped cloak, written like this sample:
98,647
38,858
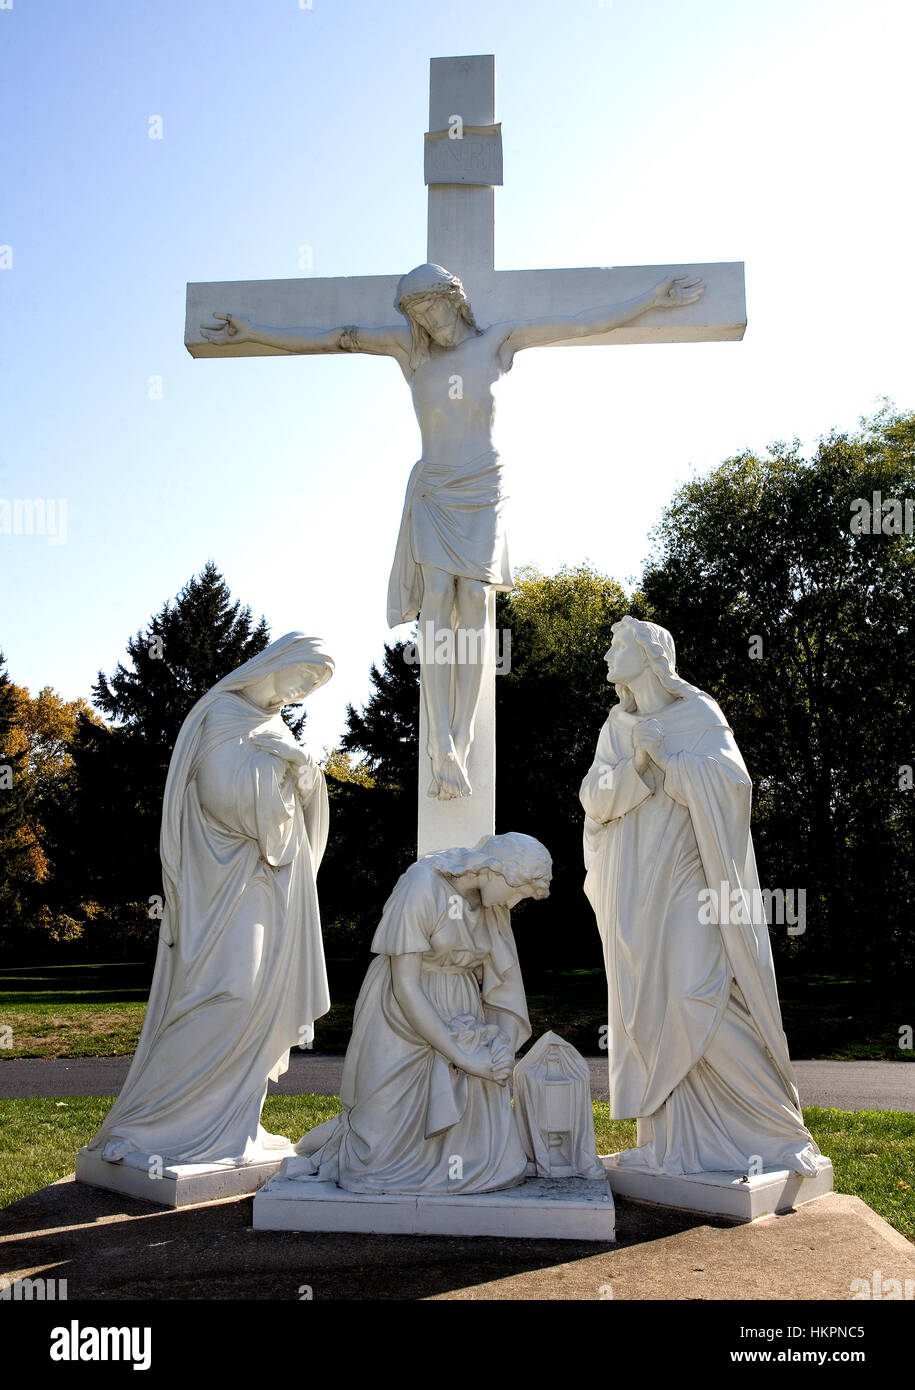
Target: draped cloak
696,1049
240,974
452,520
408,1112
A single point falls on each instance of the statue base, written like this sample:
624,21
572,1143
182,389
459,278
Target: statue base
176,1184
720,1194
539,1208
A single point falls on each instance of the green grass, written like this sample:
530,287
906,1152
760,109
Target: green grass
39,1138
873,1154
873,1151
74,1010
97,1011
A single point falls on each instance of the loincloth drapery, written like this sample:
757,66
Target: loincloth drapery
452,519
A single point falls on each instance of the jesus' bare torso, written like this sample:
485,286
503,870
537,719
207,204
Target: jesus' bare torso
451,536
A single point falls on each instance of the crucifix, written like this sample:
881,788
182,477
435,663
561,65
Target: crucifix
461,322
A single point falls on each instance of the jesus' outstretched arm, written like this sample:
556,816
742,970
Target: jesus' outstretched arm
673,293
384,342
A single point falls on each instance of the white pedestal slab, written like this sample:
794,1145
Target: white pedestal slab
181,1184
544,1208
721,1194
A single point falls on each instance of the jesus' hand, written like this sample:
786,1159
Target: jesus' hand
232,329
676,292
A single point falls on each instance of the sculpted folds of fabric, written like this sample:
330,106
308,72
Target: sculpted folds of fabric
696,1047
411,1121
240,974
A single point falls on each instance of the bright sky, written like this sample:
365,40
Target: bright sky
777,132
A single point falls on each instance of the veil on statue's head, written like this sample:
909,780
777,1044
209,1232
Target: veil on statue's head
520,859
658,645
293,649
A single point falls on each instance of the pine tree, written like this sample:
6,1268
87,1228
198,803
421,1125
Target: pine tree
373,817
192,642
386,730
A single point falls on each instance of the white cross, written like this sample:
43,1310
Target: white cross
463,164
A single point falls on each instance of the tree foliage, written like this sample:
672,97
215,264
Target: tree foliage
549,710
38,735
371,783
798,623
192,642
549,707
385,732
801,629
14,834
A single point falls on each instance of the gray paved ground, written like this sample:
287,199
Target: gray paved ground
113,1247
842,1085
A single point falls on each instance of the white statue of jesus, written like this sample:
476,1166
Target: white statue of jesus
451,549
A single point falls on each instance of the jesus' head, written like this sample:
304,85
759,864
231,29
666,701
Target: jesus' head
436,308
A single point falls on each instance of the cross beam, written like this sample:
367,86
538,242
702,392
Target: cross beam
462,166
497,296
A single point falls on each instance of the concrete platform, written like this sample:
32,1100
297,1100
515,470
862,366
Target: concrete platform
175,1185
111,1247
720,1194
540,1208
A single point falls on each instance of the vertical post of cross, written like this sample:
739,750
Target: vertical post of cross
463,163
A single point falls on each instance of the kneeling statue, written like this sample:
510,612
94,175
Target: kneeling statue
441,1013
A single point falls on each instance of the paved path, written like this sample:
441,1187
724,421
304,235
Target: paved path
843,1085
110,1247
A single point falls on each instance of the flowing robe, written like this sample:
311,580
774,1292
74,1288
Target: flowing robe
695,1043
240,974
408,1114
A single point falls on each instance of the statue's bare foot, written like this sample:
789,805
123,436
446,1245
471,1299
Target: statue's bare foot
449,779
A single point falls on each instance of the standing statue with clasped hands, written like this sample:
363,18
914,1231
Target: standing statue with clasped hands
240,975
695,1042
